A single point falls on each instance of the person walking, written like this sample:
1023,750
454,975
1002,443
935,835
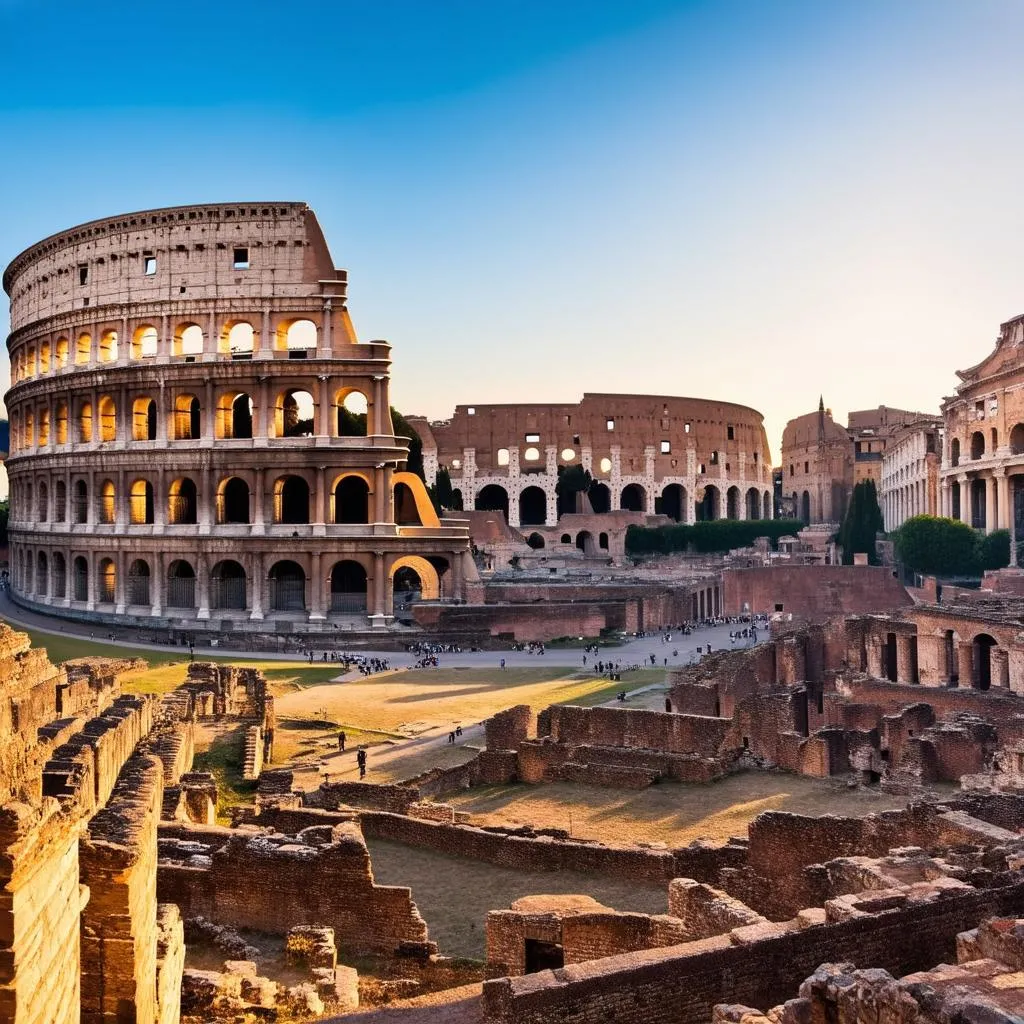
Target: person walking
361,761
341,740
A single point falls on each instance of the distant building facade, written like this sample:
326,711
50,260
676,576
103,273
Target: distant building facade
910,473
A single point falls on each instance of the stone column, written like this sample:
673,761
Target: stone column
256,577
156,586
1000,668
904,666
316,584
261,426
326,333
320,502
965,663
875,660
264,348
259,502
207,415
377,613
323,412
1002,499
990,503
202,587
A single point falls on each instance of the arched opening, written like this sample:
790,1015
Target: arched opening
61,423
81,510
585,542
533,507
107,418
732,503
83,349
234,416
977,444
407,588
108,502
351,407
954,452
29,430
140,503
182,502
600,497
232,501
351,501
406,512
954,500
982,652
633,498
602,541
85,423
503,456
672,502
566,538
237,340
294,414
188,342
805,506
144,419
59,576
108,347
43,503
890,658
44,358
291,500
80,579
44,427
1017,439
106,581
952,662
139,583
42,575
710,506
187,418
536,541
493,498
61,353
348,587
297,338
287,587
181,585
421,582
753,504
978,504
145,342
60,502
227,586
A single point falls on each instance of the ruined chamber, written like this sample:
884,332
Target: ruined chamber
199,438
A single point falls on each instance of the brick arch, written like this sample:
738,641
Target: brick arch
431,582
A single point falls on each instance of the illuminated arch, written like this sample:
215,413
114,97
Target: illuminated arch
429,580
428,517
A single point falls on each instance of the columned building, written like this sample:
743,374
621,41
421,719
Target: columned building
910,474
983,454
198,438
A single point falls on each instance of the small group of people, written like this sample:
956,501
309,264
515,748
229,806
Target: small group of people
455,734
360,753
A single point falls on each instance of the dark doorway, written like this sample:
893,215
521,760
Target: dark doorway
952,664
533,507
983,644
493,498
543,956
890,657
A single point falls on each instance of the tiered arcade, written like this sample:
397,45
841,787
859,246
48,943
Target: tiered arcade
198,436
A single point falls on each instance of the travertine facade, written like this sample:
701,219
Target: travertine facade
910,474
983,454
199,437
687,458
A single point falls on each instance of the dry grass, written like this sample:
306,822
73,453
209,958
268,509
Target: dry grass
454,895
412,702
672,813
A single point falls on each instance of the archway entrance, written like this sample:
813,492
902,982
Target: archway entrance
533,507
983,644
493,498
348,587
633,498
287,587
672,502
227,585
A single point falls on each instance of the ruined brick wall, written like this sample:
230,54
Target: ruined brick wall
630,727
117,858
813,591
524,622
508,728
681,984
703,911
374,796
322,876
607,933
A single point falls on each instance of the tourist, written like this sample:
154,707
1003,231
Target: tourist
341,740
361,761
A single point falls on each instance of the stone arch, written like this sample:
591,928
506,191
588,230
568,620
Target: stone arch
294,413
753,503
406,513
140,502
418,490
585,543
81,502
430,583
232,501
1017,439
533,506
291,499
602,541
43,501
805,507
60,426
351,416
954,452
228,585
106,581
187,418
287,582
977,444
108,347
296,337
536,541
106,412
44,357
145,342
80,578
83,349
181,584
188,341
732,503
85,425
237,340
710,506
42,574
350,500
633,498
348,583
492,498
982,645
182,502
139,580
600,497
566,538
59,575
144,419
672,502
61,352
234,415
107,498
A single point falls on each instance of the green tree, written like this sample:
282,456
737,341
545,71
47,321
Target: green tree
572,480
711,536
994,549
443,495
862,524
403,429
939,546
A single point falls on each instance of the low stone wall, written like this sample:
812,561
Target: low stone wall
372,796
682,984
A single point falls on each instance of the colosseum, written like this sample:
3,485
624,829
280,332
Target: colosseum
198,436
687,458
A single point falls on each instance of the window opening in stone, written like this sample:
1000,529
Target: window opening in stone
240,260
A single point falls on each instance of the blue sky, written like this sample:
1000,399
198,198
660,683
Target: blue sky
753,201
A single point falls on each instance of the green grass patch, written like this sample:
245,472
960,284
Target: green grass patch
223,759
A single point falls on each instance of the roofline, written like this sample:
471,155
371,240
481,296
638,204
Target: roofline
610,395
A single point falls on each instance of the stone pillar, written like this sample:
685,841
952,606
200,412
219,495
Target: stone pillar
904,666
965,663
202,587
965,499
513,507
264,349
1000,668
875,659
326,333
320,502
259,502
377,614
323,412
1002,499
207,416
316,597
256,577
990,503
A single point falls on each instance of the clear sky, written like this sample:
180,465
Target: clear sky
754,201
